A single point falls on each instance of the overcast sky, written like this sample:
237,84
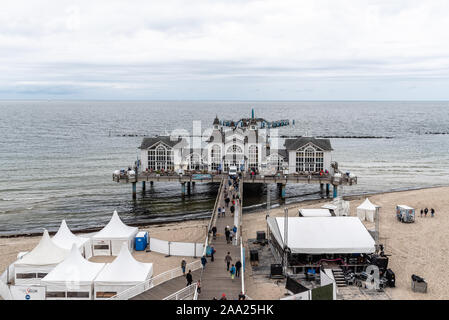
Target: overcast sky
240,50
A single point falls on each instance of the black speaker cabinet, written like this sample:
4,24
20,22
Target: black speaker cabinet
261,235
276,270
254,255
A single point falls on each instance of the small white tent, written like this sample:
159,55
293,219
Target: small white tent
73,278
123,273
64,238
366,211
35,265
108,241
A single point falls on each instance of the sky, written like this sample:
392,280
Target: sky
224,50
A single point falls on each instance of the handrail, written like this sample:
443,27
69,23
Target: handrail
184,293
155,281
213,217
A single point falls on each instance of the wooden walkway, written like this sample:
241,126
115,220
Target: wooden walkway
216,280
167,288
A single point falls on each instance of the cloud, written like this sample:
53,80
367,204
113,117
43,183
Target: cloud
218,49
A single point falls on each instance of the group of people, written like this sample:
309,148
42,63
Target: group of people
234,270
426,211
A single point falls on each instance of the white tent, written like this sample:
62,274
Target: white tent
73,278
366,211
108,241
321,235
123,273
35,265
315,213
64,238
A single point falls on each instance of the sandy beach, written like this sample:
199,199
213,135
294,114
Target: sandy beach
419,248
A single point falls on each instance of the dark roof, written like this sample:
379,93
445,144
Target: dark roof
294,144
148,142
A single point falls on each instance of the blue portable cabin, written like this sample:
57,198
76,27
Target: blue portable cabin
141,241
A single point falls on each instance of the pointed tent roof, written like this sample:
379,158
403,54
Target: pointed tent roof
45,253
115,229
367,205
125,269
65,238
74,269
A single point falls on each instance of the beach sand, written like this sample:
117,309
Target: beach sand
419,248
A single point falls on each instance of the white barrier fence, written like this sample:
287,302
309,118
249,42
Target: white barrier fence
172,248
157,280
187,293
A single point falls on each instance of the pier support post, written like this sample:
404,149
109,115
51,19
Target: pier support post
193,183
327,189
183,188
134,190
144,186
151,183
335,191
321,188
283,191
188,188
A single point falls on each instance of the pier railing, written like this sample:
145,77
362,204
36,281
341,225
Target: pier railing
187,293
213,218
155,281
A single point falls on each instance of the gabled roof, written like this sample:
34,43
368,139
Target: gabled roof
45,253
294,144
125,269
148,142
115,229
74,269
65,238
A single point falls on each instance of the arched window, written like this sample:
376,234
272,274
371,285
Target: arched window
160,158
234,149
275,161
253,156
195,162
309,159
215,156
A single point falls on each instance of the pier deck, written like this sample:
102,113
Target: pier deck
216,280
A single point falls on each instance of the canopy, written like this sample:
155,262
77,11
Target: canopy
65,239
321,235
74,270
366,211
45,253
124,270
314,213
115,229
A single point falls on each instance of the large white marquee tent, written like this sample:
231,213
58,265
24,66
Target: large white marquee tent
123,273
64,238
323,235
366,211
73,278
37,263
108,241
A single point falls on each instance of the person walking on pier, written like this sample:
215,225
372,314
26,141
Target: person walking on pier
198,286
228,260
212,252
219,211
189,278
425,212
223,212
422,211
183,267
232,210
227,234
232,271
203,262
238,265
214,232
432,212
227,200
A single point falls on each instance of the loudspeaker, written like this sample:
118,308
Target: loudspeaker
276,270
254,255
261,235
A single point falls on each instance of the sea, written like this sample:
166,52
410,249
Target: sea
57,157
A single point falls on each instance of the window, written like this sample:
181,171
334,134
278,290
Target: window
253,156
55,294
195,162
25,275
234,149
215,156
74,294
101,247
104,294
275,161
160,158
309,159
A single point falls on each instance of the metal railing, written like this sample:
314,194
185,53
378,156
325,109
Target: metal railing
213,217
155,281
187,293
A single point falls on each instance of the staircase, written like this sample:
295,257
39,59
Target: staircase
339,277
